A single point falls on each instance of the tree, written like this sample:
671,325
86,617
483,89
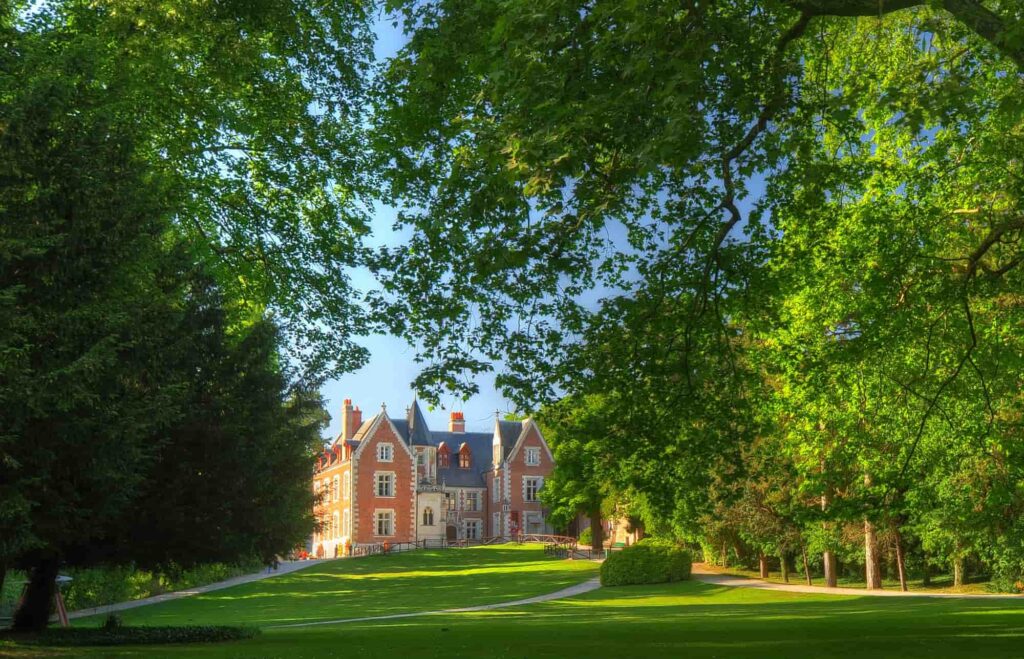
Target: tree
108,320
252,115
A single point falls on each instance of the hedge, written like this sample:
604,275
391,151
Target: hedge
97,586
648,561
587,537
115,635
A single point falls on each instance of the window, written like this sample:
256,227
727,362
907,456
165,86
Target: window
335,486
347,485
385,522
428,516
450,500
385,452
385,484
531,486
472,501
495,524
421,458
335,526
472,529
495,489
464,456
346,523
532,456
443,455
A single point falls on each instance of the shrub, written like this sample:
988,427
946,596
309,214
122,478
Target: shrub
587,537
96,586
83,636
648,561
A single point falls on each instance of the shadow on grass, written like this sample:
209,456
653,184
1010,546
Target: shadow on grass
378,585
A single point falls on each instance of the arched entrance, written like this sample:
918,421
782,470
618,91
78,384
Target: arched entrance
451,533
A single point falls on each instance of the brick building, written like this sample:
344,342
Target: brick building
395,480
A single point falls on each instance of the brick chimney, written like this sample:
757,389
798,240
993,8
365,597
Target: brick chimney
351,419
457,422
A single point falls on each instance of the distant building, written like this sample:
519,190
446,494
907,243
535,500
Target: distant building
395,480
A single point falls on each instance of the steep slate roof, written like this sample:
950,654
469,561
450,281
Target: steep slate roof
414,431
417,433
509,432
479,460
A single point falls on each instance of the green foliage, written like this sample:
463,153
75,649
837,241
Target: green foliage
121,635
97,586
587,537
646,562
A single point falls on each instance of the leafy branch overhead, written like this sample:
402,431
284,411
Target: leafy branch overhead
582,156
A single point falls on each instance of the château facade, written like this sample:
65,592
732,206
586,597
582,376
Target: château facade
395,480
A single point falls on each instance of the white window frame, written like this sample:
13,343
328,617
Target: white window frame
539,483
335,486
346,523
385,452
390,476
495,489
336,524
377,519
475,498
346,485
531,456
423,516
475,524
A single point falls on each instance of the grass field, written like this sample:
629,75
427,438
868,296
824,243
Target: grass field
942,583
688,619
374,586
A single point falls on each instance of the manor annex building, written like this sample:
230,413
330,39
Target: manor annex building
395,480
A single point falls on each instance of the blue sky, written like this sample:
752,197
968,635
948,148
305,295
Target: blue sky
386,378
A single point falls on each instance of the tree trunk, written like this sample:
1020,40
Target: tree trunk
872,569
901,562
831,569
828,557
958,567
762,561
596,530
807,567
725,554
34,612
784,564
926,571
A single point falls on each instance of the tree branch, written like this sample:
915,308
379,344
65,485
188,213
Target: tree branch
982,21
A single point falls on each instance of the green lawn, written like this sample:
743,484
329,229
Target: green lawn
373,586
688,619
942,583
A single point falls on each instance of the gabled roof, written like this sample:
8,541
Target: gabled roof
509,432
479,444
417,433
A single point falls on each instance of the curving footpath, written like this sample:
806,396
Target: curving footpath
284,568
578,589
703,574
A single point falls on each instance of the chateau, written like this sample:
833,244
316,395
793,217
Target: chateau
395,480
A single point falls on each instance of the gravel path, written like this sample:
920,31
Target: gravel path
284,568
578,589
702,573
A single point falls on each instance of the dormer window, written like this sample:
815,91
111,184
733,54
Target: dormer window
443,456
464,456
385,452
532,456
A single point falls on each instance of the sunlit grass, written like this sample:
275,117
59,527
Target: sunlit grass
688,619
375,585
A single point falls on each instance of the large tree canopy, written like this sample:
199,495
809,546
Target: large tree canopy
253,110
667,152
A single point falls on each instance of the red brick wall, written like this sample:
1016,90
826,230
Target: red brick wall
366,499
518,469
